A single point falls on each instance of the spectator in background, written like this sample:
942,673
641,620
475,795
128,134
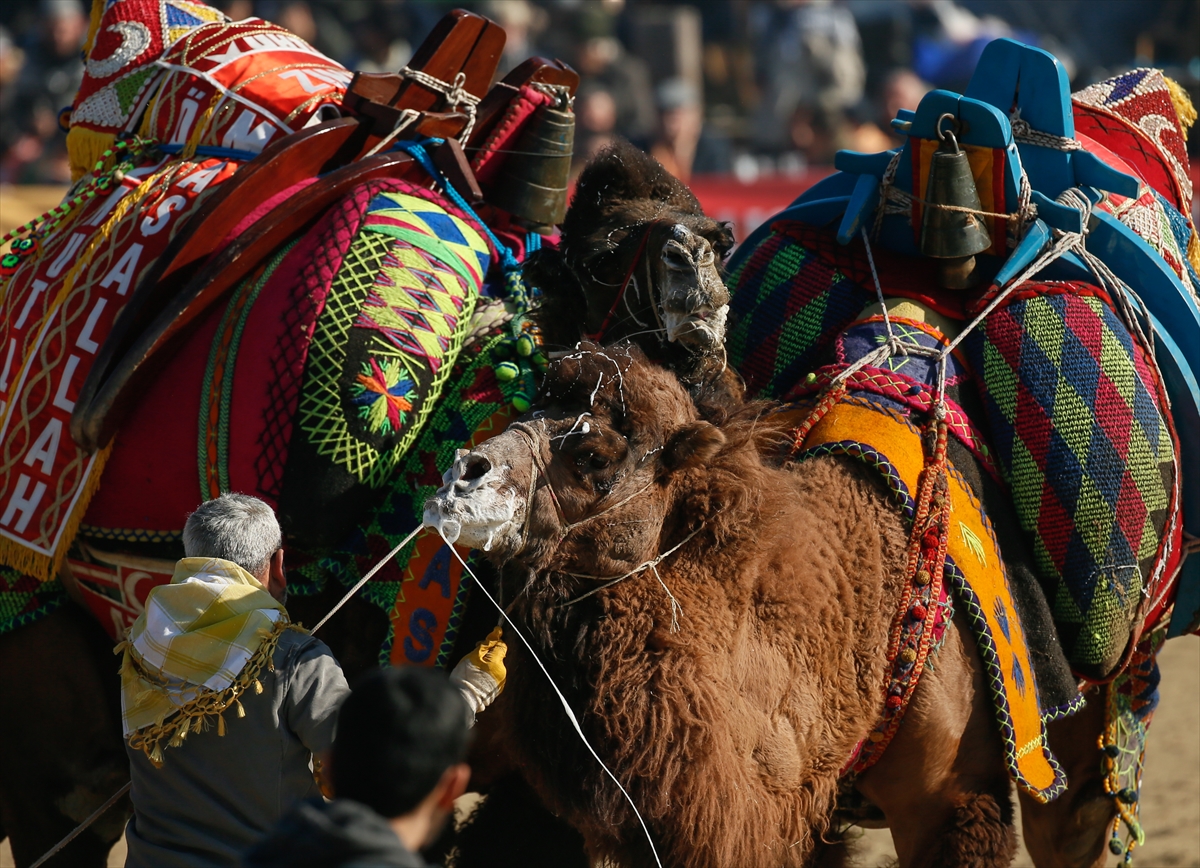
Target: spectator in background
396,767
684,145
11,61
602,60
862,133
902,89
522,22
810,68
818,133
595,122
45,85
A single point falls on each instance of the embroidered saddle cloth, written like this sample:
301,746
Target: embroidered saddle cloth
977,584
1079,421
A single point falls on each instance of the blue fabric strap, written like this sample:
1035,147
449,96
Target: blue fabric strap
415,148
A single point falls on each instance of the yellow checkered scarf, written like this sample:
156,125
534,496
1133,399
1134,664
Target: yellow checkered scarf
200,643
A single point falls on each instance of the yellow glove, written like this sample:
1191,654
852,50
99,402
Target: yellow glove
481,674
489,656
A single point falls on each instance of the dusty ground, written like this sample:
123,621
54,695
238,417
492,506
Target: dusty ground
18,204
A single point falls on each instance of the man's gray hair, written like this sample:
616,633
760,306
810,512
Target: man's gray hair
234,527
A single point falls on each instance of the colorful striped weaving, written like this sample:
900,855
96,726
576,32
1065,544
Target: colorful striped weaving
1077,429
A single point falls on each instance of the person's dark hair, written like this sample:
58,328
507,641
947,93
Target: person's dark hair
397,733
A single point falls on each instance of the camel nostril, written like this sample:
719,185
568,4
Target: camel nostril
475,466
675,257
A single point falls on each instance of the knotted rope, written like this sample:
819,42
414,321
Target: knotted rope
1027,135
457,96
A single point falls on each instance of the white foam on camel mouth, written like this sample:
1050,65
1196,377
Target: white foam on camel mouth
475,510
683,327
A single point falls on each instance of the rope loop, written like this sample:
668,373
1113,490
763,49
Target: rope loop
455,92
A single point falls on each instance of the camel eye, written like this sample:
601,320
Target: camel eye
592,461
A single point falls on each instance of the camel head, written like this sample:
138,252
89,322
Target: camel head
586,482
639,260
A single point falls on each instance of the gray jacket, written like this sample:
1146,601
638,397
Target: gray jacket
217,796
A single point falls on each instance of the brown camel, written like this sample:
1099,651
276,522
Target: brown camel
718,625
639,260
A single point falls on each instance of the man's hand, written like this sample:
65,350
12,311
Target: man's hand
480,675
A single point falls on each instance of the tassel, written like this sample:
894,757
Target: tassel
97,15
85,148
221,725
156,756
258,688
197,723
1182,104
176,740
241,712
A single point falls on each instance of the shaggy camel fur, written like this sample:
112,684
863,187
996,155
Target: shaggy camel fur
632,224
731,731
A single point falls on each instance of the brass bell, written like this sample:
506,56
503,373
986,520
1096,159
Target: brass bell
533,184
949,231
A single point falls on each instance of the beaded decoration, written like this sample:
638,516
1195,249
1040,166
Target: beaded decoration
1130,699
110,169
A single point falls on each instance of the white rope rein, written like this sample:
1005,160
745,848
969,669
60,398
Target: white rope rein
563,700
370,573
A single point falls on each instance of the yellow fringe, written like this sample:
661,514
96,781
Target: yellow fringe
93,26
195,714
1193,251
85,148
1183,105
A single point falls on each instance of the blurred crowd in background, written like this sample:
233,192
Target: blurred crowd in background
743,88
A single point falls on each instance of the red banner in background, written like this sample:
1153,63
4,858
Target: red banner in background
747,205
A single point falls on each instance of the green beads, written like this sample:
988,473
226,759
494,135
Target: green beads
506,372
521,402
525,346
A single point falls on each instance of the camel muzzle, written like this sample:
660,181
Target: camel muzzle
477,504
695,302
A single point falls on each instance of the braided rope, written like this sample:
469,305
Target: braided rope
456,95
1027,135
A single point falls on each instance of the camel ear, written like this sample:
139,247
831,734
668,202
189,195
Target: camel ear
693,444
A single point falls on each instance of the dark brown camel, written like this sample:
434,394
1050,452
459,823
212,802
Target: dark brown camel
639,260
730,731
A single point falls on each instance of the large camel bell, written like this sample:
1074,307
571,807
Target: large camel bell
949,231
533,185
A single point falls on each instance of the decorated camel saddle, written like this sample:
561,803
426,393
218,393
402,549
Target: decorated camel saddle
272,275
1001,317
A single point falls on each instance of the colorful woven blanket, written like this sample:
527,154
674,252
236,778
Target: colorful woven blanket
1086,446
1077,421
179,72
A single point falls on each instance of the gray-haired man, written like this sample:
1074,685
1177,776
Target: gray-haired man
223,703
